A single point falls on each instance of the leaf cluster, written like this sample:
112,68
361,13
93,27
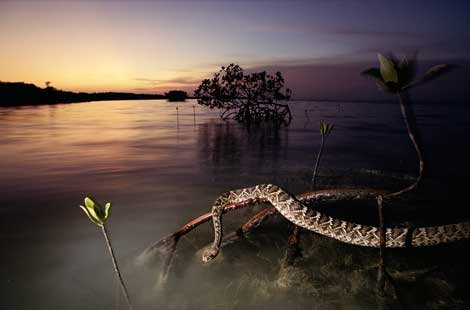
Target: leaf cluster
232,83
325,128
95,212
395,75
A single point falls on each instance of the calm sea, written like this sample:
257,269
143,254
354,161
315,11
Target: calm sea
160,167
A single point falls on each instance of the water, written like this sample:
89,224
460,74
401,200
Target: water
161,168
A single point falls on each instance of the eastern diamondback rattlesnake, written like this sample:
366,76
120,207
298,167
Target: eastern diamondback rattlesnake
301,215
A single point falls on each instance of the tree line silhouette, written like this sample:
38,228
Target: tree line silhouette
19,93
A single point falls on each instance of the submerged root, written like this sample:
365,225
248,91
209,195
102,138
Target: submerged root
293,249
164,250
292,276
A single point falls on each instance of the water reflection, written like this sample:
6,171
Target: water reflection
238,150
160,169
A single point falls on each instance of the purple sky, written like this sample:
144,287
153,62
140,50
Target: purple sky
320,46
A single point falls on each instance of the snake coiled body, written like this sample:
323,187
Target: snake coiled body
301,215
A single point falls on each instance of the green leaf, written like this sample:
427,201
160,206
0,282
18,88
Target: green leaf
95,210
328,129
93,207
374,73
436,71
407,70
433,73
325,128
387,69
107,207
89,216
89,203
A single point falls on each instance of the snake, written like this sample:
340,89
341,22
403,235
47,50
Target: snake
300,214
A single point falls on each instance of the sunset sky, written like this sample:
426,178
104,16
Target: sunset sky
156,46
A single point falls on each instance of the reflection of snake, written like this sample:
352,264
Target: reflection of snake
348,232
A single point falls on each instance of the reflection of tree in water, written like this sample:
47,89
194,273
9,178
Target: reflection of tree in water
233,148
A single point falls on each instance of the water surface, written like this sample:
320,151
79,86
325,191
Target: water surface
161,167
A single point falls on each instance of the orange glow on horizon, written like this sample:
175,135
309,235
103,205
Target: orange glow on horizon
79,50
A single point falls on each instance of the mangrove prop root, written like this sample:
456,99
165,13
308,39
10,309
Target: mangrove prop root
293,249
166,247
382,273
256,220
381,270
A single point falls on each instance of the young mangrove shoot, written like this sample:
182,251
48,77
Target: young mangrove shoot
98,215
325,130
397,77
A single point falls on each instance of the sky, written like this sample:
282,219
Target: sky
154,46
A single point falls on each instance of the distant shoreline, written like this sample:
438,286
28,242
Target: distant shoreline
14,94
17,94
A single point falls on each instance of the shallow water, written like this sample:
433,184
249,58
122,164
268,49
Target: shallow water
161,168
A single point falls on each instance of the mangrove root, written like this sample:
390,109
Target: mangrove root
165,248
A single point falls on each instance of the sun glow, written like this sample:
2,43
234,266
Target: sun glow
153,46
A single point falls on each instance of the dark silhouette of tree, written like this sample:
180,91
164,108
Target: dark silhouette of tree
247,98
176,95
48,83
18,93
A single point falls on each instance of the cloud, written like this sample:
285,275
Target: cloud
164,85
335,76
327,30
342,81
182,81
376,33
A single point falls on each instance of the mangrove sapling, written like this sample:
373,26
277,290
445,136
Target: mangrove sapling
293,250
98,215
325,130
398,77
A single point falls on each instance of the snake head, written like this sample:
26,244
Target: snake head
209,254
